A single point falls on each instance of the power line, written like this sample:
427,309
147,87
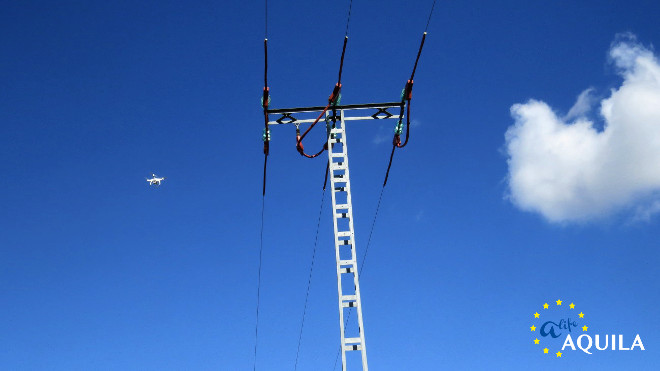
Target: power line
348,19
373,223
309,279
261,247
407,96
430,14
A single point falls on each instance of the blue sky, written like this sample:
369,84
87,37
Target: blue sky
99,271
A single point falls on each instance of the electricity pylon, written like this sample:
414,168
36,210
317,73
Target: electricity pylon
348,284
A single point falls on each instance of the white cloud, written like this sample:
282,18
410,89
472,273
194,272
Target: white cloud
567,170
582,105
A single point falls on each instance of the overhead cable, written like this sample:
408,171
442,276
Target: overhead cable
309,279
261,247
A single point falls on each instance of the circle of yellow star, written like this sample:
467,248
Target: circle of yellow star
533,328
536,315
558,302
545,350
536,341
584,328
545,306
572,305
581,315
558,354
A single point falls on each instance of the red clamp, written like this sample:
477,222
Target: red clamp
299,145
266,98
408,93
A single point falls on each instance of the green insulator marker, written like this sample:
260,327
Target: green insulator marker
337,101
399,129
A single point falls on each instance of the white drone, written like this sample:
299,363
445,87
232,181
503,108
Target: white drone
155,180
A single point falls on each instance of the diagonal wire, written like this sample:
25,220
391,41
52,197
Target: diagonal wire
309,279
261,247
348,19
373,223
364,258
430,14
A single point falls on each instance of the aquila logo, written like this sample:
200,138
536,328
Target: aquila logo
560,322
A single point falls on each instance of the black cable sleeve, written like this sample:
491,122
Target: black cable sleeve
265,162
327,168
387,174
341,62
419,52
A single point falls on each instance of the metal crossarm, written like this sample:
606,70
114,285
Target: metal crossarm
375,111
348,284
